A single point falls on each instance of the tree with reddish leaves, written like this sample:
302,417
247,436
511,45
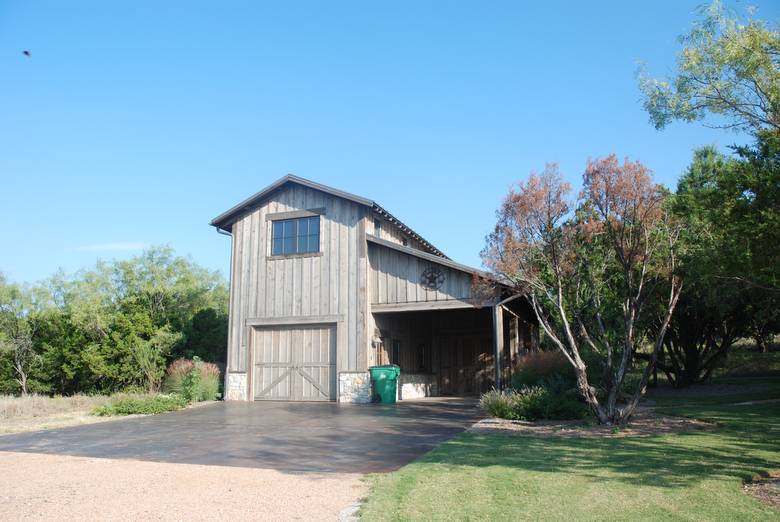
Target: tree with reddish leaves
594,270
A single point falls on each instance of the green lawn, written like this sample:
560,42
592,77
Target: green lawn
694,476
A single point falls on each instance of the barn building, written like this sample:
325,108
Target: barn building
325,284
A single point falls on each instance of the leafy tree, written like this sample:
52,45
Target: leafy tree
114,326
729,67
591,270
61,344
205,336
16,332
732,242
746,205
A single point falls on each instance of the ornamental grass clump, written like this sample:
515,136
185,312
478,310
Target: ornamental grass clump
193,379
497,403
209,381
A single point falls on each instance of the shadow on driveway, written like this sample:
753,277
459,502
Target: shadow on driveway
288,437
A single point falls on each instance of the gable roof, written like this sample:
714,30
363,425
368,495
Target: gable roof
227,218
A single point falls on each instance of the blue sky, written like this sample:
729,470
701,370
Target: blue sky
135,123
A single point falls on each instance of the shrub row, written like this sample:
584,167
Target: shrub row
533,403
186,381
140,405
543,387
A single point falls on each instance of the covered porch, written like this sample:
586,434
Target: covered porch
452,351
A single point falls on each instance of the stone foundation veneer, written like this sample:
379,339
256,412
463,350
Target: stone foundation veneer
417,385
235,387
354,387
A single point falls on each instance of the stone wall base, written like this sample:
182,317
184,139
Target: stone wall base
235,387
354,387
417,386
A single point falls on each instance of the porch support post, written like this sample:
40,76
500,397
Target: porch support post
498,341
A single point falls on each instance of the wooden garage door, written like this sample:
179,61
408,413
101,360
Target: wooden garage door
295,363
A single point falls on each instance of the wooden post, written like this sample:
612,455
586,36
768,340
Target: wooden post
498,341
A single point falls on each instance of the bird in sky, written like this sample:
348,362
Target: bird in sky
27,53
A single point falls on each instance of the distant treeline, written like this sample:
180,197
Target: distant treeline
112,327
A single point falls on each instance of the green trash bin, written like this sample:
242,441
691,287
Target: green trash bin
384,380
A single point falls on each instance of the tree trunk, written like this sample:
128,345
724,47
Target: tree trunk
761,343
22,380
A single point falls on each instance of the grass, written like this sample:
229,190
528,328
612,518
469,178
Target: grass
41,412
38,412
692,476
744,360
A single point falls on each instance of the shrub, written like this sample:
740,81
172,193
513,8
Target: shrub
549,369
533,403
175,374
558,406
190,384
497,403
209,382
140,405
193,379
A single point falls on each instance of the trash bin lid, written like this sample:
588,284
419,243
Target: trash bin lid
386,371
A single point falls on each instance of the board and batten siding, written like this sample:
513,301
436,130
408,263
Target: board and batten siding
392,233
329,284
395,278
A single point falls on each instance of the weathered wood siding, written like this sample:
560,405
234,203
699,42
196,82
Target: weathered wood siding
391,232
331,283
394,277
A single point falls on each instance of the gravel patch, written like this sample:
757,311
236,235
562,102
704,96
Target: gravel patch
54,487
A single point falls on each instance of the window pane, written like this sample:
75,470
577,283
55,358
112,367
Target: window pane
289,228
277,232
302,244
277,246
314,243
292,236
314,225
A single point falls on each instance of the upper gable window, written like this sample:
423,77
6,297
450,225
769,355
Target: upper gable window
295,236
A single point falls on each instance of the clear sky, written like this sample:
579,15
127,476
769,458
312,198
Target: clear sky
134,123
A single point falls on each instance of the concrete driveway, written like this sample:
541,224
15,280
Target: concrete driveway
286,437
